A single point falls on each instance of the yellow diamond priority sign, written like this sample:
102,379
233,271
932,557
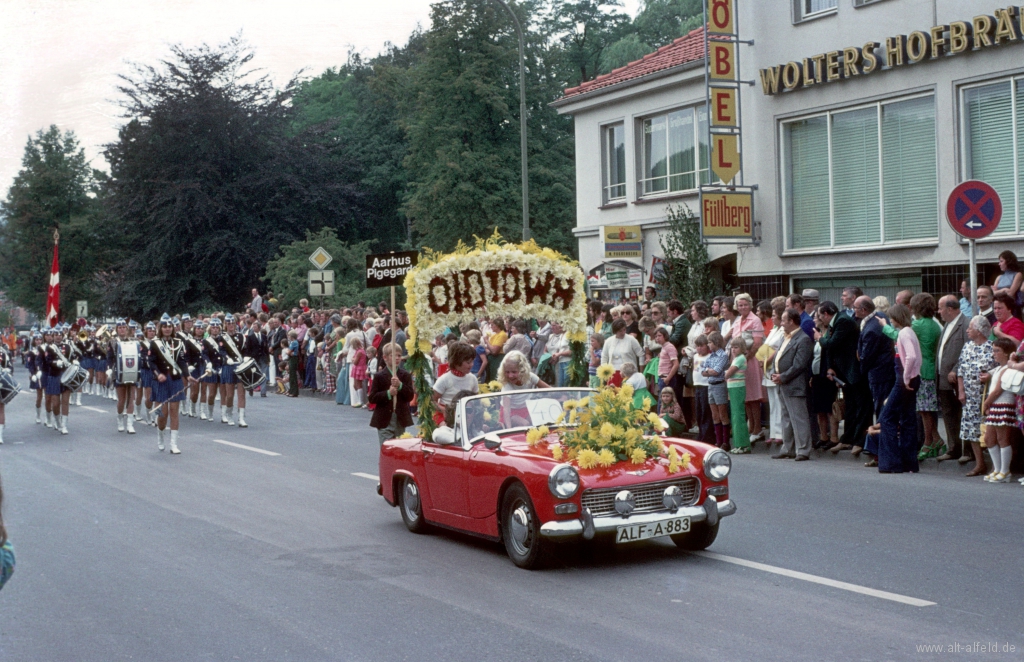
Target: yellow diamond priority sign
320,258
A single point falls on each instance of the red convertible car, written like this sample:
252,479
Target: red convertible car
485,479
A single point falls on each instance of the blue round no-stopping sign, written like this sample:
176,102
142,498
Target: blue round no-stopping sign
974,209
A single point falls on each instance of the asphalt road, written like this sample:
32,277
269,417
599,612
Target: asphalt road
224,553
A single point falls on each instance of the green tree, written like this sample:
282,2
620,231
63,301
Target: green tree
461,116
209,178
687,274
287,272
55,189
584,30
657,24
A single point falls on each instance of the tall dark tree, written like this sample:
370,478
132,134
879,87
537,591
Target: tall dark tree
584,29
657,23
208,179
55,189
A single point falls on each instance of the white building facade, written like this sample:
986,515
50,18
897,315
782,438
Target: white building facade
864,115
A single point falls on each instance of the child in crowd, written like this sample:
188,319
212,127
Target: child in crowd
735,378
475,340
668,359
372,368
652,354
700,390
596,345
1000,409
458,378
357,357
669,409
715,366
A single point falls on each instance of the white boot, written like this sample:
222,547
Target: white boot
202,411
1,433
39,415
128,424
241,418
192,407
152,415
174,442
209,413
160,439
138,414
49,419
231,416
64,424
120,422
113,393
223,414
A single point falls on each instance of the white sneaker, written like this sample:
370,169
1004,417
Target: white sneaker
241,419
174,443
120,422
160,439
128,424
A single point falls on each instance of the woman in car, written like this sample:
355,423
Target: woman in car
514,374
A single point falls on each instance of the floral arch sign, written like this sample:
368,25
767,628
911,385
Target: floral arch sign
492,279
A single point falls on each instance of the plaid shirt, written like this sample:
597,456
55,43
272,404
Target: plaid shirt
717,361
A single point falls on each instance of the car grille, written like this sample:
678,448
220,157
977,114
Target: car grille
648,496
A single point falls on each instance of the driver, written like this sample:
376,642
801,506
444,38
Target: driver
515,375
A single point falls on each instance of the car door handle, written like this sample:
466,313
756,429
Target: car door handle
428,451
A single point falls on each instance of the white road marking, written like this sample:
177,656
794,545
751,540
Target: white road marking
367,476
244,447
96,409
875,593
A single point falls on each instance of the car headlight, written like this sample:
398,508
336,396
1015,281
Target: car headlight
717,465
563,481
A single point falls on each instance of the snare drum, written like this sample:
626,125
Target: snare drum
249,374
73,377
8,387
126,368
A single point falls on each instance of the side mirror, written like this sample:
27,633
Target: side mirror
444,436
492,441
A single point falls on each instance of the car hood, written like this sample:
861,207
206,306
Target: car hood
620,474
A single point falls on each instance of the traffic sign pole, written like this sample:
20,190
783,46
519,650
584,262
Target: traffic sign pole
974,277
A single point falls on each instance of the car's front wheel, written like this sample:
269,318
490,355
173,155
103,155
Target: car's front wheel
520,529
411,505
700,537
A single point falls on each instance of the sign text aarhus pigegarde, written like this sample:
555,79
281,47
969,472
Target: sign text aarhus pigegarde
389,269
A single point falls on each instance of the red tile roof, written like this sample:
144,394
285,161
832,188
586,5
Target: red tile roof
688,48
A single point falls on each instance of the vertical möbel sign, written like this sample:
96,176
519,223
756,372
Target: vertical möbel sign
727,207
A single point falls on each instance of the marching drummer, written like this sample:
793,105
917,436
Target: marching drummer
167,360
146,373
34,363
214,361
230,343
192,335
58,395
124,348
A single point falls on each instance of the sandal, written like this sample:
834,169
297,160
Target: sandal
873,462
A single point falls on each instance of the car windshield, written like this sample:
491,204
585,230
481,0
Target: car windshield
517,409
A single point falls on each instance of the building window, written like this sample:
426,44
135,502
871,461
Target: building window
866,176
993,144
614,158
810,8
670,151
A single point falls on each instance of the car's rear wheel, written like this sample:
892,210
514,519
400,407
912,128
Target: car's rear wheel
520,529
411,505
700,537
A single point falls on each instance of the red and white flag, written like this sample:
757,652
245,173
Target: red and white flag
53,292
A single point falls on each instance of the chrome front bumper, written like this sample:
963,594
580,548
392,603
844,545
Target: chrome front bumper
588,526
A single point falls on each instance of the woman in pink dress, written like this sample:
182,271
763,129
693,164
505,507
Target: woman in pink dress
747,322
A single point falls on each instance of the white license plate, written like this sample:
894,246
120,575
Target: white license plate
669,527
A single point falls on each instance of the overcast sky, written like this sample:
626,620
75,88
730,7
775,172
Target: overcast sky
59,59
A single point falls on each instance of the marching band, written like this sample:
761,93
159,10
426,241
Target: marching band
149,373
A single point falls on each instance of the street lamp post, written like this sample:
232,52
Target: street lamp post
522,118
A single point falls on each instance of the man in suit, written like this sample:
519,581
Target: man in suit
839,351
875,352
792,366
391,395
951,342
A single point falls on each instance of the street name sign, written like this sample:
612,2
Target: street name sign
974,209
389,269
321,283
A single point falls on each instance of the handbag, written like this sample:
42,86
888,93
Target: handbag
1013,381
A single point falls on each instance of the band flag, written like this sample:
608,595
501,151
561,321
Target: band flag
53,292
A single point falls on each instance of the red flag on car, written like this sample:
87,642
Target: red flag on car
53,292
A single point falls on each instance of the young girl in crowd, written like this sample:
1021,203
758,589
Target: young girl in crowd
596,345
668,357
479,366
700,391
358,374
735,378
293,364
715,366
282,369
669,409
1000,408
636,380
